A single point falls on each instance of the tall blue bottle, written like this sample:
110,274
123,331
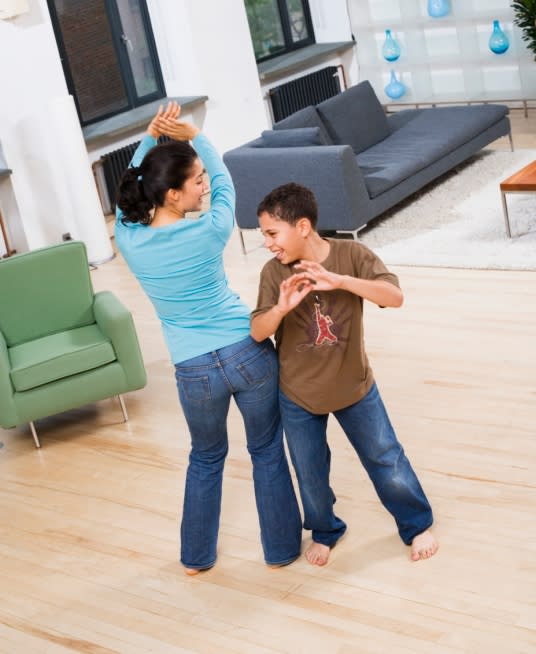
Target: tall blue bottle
395,89
390,49
498,41
438,8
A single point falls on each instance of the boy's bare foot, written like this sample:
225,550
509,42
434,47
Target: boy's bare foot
317,554
423,546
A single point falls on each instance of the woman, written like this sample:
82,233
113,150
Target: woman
178,261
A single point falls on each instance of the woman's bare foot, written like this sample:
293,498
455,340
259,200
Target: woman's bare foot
423,546
276,566
317,554
192,571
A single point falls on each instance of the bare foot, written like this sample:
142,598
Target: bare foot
423,546
191,571
317,554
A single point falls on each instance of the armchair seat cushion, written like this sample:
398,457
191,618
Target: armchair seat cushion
60,355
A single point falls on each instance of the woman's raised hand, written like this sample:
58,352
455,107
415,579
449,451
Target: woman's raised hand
176,129
171,112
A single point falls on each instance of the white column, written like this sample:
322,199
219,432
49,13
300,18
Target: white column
53,181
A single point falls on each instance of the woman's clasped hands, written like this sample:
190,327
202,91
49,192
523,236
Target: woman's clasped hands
166,123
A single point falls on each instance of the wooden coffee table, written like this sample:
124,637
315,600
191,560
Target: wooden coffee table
524,181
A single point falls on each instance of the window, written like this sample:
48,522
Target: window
279,26
108,54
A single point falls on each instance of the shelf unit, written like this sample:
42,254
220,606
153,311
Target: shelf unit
443,59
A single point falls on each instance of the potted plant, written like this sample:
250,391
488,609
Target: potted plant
525,19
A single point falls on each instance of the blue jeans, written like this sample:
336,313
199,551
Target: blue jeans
369,430
247,371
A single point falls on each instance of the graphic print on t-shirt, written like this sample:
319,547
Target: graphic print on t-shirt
321,322
323,325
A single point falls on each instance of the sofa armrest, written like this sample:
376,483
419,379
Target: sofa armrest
116,322
8,413
330,171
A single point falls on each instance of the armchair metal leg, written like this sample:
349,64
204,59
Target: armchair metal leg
34,434
511,141
123,408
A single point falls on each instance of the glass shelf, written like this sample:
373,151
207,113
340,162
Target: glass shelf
444,59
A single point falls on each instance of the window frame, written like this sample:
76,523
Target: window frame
132,97
290,45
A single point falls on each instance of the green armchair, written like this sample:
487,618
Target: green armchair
61,344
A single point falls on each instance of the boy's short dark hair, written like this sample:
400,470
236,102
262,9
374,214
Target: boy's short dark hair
290,202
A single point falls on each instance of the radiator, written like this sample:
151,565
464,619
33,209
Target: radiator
114,164
304,91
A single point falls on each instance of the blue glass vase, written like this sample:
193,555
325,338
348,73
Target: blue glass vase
438,8
498,41
390,49
395,89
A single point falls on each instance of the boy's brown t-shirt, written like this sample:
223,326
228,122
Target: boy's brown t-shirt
323,364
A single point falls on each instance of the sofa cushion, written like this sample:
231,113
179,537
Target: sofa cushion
307,117
290,138
355,117
57,356
432,134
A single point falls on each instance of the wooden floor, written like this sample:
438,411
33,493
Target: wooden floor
89,529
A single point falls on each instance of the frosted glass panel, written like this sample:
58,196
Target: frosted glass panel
500,80
445,82
384,10
441,42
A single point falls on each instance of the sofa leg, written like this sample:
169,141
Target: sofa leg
353,232
243,245
34,434
123,408
511,141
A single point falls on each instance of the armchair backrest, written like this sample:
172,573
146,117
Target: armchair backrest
44,292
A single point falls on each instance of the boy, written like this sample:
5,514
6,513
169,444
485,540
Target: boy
311,297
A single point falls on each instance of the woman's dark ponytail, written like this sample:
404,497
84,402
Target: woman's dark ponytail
143,188
131,198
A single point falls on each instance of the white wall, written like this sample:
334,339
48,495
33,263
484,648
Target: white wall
331,21
205,49
31,70
41,137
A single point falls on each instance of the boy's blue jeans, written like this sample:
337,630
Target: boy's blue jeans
369,430
247,371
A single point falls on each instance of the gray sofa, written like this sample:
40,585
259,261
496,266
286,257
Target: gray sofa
357,160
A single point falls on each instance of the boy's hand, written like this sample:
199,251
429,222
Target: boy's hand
171,112
293,290
325,280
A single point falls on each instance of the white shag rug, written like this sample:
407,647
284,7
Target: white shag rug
458,220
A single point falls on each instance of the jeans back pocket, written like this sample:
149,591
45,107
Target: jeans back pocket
194,389
259,368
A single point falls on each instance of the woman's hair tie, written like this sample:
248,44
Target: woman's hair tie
136,170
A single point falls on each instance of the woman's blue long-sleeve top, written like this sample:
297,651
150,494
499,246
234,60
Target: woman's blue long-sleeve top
180,266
